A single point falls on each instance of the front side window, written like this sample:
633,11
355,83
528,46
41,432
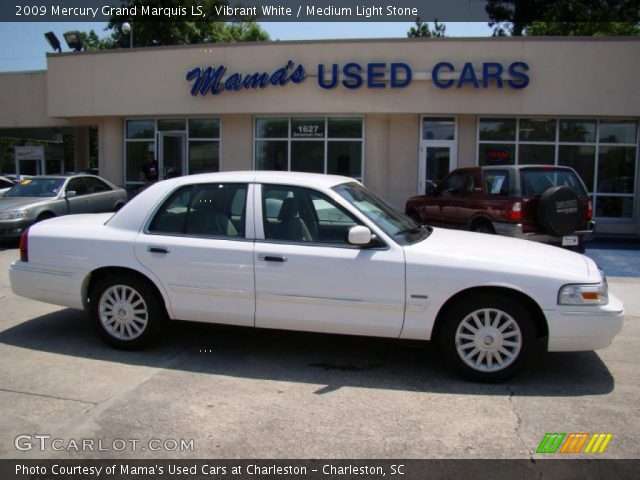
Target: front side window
388,218
302,215
455,184
211,210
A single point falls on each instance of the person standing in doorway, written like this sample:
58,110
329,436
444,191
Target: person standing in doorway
149,169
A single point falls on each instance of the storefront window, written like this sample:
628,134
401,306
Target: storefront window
307,157
537,130
175,124
204,156
140,129
616,169
438,128
497,153
344,158
310,144
272,155
272,127
617,132
603,152
204,128
503,129
536,154
345,127
579,131
190,146
136,152
582,158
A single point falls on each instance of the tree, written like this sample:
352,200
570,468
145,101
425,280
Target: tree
564,17
190,30
421,29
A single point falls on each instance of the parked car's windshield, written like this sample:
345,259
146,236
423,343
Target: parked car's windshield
536,182
36,187
392,221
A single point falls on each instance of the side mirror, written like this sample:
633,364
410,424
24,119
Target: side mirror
360,236
69,194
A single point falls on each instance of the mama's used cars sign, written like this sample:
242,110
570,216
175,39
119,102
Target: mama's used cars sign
215,80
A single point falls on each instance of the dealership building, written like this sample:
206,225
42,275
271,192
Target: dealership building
393,113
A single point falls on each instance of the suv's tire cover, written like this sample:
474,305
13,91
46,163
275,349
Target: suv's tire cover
559,211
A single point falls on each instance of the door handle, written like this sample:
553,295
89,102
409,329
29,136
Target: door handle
272,258
158,249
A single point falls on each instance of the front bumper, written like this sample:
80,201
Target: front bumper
515,230
14,228
576,328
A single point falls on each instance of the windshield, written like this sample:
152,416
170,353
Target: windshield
36,187
536,182
392,221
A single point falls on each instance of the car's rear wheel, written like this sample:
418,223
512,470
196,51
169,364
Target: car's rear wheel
483,226
126,311
488,338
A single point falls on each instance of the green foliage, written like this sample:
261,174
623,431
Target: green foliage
422,29
178,32
549,17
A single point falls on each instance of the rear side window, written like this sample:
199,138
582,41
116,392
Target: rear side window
95,185
496,182
536,182
212,210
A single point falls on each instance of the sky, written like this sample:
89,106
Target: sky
23,46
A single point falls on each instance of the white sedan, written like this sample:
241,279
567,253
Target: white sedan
315,253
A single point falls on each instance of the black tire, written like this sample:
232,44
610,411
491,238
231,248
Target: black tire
129,325
560,211
518,329
483,226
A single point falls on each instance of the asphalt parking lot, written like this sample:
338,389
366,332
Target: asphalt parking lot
240,393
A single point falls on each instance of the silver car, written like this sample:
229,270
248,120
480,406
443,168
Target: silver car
38,198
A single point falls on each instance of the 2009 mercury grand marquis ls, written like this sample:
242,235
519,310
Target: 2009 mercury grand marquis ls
314,253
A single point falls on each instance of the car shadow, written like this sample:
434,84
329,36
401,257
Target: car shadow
9,244
332,361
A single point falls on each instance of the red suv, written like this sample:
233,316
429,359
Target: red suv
537,202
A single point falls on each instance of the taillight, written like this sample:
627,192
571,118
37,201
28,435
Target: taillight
514,212
24,246
589,210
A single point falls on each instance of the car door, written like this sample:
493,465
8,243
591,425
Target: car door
198,247
309,278
452,199
103,197
81,202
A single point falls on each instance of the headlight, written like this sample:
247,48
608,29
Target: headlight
14,215
584,294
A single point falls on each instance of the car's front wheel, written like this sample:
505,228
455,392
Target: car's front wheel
488,337
126,311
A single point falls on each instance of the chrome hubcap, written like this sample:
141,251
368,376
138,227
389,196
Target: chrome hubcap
488,340
123,312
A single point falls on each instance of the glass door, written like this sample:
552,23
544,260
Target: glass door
437,159
171,154
437,150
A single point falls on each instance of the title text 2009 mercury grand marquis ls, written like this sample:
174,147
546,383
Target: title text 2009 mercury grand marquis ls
315,253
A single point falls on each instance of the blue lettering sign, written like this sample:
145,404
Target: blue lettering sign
491,72
209,80
520,79
435,75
